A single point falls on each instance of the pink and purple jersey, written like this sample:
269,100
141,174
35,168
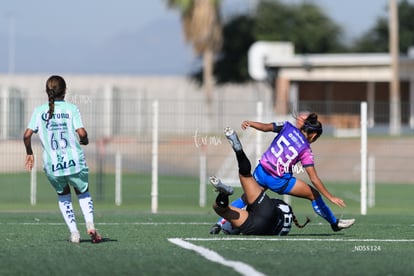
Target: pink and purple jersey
287,149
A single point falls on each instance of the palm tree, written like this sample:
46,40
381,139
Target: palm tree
202,27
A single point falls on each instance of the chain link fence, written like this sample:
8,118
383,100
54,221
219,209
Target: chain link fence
119,120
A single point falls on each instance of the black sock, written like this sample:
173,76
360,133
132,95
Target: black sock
222,200
244,164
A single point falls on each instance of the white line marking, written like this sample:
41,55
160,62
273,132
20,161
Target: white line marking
108,223
39,222
242,268
236,238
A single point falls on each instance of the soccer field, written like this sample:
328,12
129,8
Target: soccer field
34,239
176,244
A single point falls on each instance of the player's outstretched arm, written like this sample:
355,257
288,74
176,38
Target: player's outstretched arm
265,127
318,184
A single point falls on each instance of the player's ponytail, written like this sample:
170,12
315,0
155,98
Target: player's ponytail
297,222
51,97
312,125
55,89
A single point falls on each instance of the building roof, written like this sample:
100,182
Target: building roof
267,57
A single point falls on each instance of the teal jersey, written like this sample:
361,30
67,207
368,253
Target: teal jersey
62,153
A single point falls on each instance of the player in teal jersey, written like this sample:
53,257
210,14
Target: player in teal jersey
62,133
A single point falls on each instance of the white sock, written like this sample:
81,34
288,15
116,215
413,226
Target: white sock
86,205
66,208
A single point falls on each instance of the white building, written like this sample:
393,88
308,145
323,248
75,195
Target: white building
304,81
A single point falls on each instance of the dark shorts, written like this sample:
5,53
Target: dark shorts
265,218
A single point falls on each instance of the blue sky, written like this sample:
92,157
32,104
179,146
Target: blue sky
127,36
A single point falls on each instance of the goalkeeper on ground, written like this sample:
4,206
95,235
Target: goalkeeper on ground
262,215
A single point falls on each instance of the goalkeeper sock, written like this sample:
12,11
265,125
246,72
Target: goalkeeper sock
66,208
323,210
239,203
86,205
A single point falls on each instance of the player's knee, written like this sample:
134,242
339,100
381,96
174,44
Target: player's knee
314,194
245,169
244,174
66,191
219,210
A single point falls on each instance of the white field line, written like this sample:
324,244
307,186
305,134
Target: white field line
245,269
108,223
242,268
239,238
39,222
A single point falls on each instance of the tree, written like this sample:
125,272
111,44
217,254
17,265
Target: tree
231,65
202,27
376,39
305,25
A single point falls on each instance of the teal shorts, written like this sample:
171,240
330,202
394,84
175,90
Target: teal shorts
78,180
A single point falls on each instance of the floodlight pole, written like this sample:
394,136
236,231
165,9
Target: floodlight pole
363,183
154,182
395,109
118,179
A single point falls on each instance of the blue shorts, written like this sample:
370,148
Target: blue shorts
281,185
78,180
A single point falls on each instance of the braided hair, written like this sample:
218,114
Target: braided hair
295,220
55,89
312,125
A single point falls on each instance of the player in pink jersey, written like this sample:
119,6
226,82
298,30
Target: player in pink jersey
275,169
